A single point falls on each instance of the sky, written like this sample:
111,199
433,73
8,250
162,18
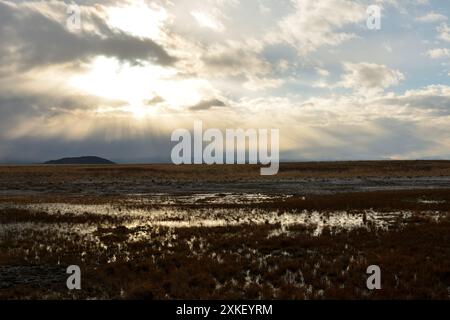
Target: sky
120,77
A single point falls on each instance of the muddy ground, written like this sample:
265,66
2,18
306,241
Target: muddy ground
219,232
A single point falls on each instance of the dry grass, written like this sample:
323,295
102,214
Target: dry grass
242,263
222,173
120,260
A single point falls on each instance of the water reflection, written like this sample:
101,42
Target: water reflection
172,215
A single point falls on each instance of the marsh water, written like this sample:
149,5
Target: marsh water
173,211
261,228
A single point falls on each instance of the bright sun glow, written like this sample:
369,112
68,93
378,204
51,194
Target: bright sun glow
137,85
139,111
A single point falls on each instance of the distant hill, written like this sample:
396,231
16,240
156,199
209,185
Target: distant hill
80,160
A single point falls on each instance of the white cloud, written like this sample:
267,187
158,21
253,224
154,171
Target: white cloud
256,84
234,58
444,32
208,21
438,53
431,17
369,77
322,72
316,23
264,9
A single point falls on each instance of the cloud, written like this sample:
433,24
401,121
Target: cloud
318,23
154,146
431,17
118,87
234,58
207,104
383,138
32,114
322,72
431,100
208,21
351,126
154,101
438,53
35,37
256,83
444,32
369,77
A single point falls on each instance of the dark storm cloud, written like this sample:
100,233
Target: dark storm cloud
207,104
30,39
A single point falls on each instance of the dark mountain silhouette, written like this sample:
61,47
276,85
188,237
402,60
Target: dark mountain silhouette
80,160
